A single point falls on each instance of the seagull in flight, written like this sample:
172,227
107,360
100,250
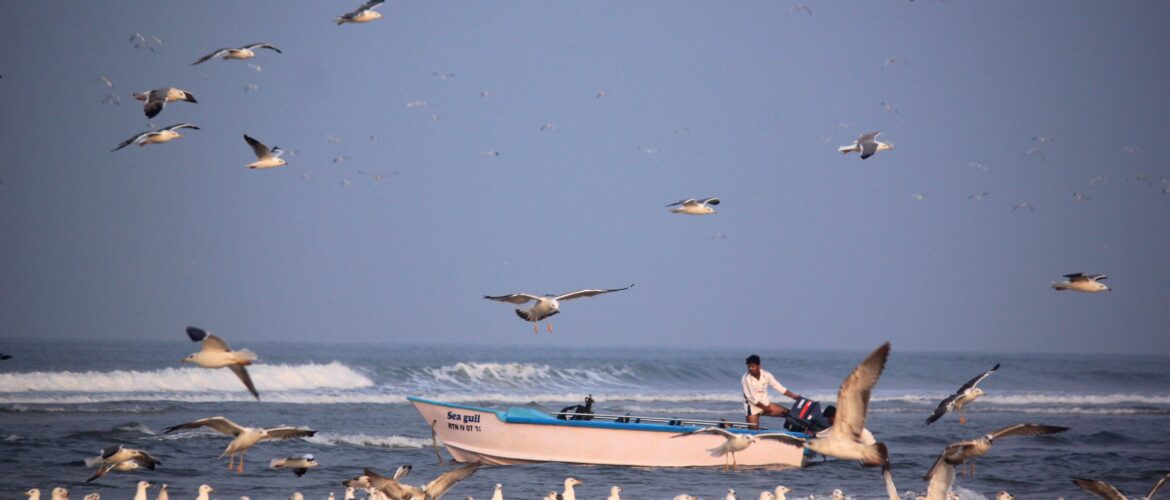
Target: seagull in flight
547,305
1081,282
363,14
245,52
299,464
245,437
867,145
733,442
216,354
843,440
959,452
966,394
692,206
167,134
265,158
432,490
158,98
1107,491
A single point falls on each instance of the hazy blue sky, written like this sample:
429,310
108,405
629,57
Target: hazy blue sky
746,101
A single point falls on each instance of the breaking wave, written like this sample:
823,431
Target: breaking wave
267,378
368,441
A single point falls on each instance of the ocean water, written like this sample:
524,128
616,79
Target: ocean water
61,402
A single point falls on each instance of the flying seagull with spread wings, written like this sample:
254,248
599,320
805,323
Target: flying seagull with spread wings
867,145
1107,491
547,305
216,354
167,134
245,437
843,439
245,52
692,206
966,394
1081,282
158,98
363,14
960,452
432,490
265,157
733,442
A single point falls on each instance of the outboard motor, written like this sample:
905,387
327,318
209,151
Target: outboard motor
585,412
805,416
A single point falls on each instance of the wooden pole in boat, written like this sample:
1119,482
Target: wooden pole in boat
435,441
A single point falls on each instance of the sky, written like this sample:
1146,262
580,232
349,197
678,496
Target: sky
390,223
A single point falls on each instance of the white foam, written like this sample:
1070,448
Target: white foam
520,375
266,377
367,440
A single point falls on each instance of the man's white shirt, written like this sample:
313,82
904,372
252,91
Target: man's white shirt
755,390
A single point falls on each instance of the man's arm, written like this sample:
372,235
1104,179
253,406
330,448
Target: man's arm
781,389
791,394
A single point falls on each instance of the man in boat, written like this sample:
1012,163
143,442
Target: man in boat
755,393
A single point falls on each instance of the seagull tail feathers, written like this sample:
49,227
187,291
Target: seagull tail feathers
877,455
247,355
276,463
847,149
93,461
1059,286
340,21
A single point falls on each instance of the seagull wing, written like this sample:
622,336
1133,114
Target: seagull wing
289,433
868,148
221,424
371,4
145,460
1098,277
1157,486
710,201
782,437
155,101
109,451
940,477
262,46
1077,277
1099,488
853,396
708,430
971,383
212,343
178,126
258,148
870,137
515,298
1026,430
242,373
446,480
217,53
103,470
402,471
129,141
943,407
682,202
590,293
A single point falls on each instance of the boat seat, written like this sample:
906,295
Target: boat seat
529,413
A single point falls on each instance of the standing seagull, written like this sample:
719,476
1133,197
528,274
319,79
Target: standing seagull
1081,282
960,398
167,134
245,437
547,305
216,354
959,452
363,14
245,52
843,440
692,206
1106,490
733,442
265,158
867,145
158,98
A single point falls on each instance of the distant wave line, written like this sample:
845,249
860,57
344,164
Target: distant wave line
279,377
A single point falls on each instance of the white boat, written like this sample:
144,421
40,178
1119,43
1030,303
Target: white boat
521,435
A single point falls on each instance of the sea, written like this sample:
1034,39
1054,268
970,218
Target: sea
63,401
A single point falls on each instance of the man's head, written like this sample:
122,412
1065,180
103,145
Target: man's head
830,414
753,365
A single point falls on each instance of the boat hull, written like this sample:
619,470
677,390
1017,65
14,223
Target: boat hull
519,436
